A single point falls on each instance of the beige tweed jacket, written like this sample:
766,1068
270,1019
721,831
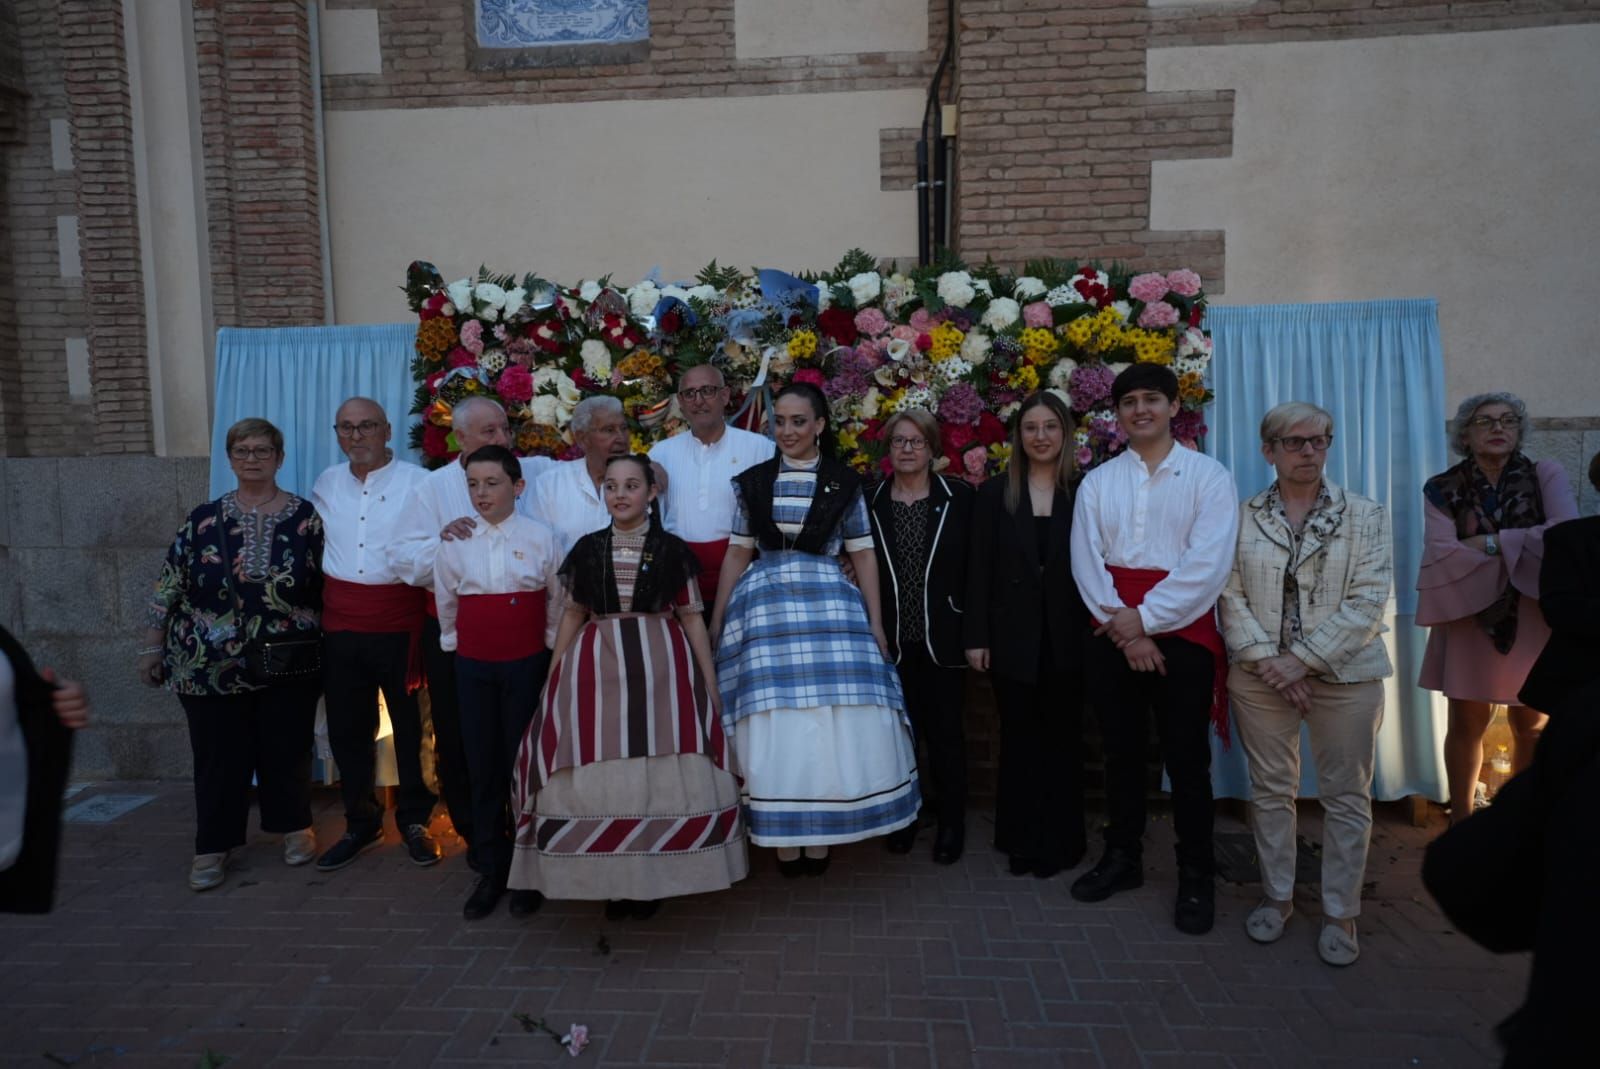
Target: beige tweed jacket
1345,586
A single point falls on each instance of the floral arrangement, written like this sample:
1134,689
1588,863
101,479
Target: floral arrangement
967,345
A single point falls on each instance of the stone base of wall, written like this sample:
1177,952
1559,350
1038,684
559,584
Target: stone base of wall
81,539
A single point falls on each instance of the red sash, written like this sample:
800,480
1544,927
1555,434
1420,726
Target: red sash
377,609
1132,585
500,627
710,555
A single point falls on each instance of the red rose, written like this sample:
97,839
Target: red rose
435,441
956,437
1196,314
990,430
460,357
670,322
924,342
811,375
873,431
839,325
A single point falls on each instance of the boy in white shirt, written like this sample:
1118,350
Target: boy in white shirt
490,590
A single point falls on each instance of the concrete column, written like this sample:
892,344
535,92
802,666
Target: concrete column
164,87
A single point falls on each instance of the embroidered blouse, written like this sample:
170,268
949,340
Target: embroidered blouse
791,500
627,553
910,546
275,572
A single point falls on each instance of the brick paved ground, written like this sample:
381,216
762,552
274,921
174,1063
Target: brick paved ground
885,961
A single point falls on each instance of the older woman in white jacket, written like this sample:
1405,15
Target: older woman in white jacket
1302,617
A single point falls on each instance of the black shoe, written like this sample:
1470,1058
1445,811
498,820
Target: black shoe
816,866
525,903
1196,908
791,869
901,840
1046,869
618,909
485,893
948,842
1118,870
645,910
1020,866
420,847
349,847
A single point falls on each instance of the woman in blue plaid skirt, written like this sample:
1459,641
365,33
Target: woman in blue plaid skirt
809,698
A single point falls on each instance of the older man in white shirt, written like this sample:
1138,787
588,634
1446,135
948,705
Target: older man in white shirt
567,499
439,507
699,503
1153,534
372,628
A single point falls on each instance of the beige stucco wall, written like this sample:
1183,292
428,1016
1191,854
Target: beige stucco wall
1459,166
577,190
765,28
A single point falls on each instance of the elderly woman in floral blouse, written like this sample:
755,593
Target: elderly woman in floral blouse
243,569
1302,617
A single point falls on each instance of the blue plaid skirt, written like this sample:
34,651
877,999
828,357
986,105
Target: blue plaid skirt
795,636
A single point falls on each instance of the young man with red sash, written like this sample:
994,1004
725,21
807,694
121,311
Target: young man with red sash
490,590
440,509
1153,535
372,630
698,503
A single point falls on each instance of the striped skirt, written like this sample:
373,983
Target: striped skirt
622,780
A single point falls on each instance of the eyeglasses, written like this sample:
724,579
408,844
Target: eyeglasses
899,442
1294,443
1509,422
700,393
365,429
260,452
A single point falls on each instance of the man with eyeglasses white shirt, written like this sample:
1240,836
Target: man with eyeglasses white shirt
698,505
439,508
372,628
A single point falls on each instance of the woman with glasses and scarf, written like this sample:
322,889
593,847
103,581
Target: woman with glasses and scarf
1479,583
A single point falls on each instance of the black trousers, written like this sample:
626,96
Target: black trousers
449,754
355,667
1038,812
498,700
1181,701
265,733
935,700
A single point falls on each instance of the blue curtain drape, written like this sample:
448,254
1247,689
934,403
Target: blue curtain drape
1378,367
296,377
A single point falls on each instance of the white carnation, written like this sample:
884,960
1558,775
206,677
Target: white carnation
596,359
1061,373
824,296
1027,287
675,291
955,289
703,292
545,409
589,289
643,298
460,292
1001,313
974,348
490,294
1194,343
515,299
549,376
865,287
982,286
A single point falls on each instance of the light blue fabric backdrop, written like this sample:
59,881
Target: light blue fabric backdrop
1378,367
296,377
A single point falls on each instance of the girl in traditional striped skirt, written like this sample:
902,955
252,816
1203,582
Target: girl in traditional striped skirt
623,780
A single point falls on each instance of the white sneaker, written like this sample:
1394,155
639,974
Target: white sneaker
208,871
299,846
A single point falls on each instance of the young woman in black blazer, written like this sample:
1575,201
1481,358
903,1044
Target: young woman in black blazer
919,529
1025,625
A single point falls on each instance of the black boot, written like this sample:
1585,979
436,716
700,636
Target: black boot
948,842
485,893
1117,870
1197,901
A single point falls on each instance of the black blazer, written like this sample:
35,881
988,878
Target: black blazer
1009,597
29,885
1569,595
944,591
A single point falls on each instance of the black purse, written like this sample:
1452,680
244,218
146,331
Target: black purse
268,660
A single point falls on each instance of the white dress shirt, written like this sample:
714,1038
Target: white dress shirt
359,518
437,500
1183,520
567,501
699,503
503,558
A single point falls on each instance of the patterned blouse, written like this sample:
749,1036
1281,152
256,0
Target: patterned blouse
791,500
910,524
1291,632
276,573
627,550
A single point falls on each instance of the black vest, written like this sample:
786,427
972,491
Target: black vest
837,488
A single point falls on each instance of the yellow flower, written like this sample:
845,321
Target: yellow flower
1080,331
1024,377
1038,346
802,345
947,339
637,444
848,439
435,337
1191,387
640,365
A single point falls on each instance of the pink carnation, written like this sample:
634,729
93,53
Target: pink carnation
1148,288
472,336
922,322
903,333
811,375
515,384
975,460
1038,314
871,322
1183,282
1158,315
459,357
